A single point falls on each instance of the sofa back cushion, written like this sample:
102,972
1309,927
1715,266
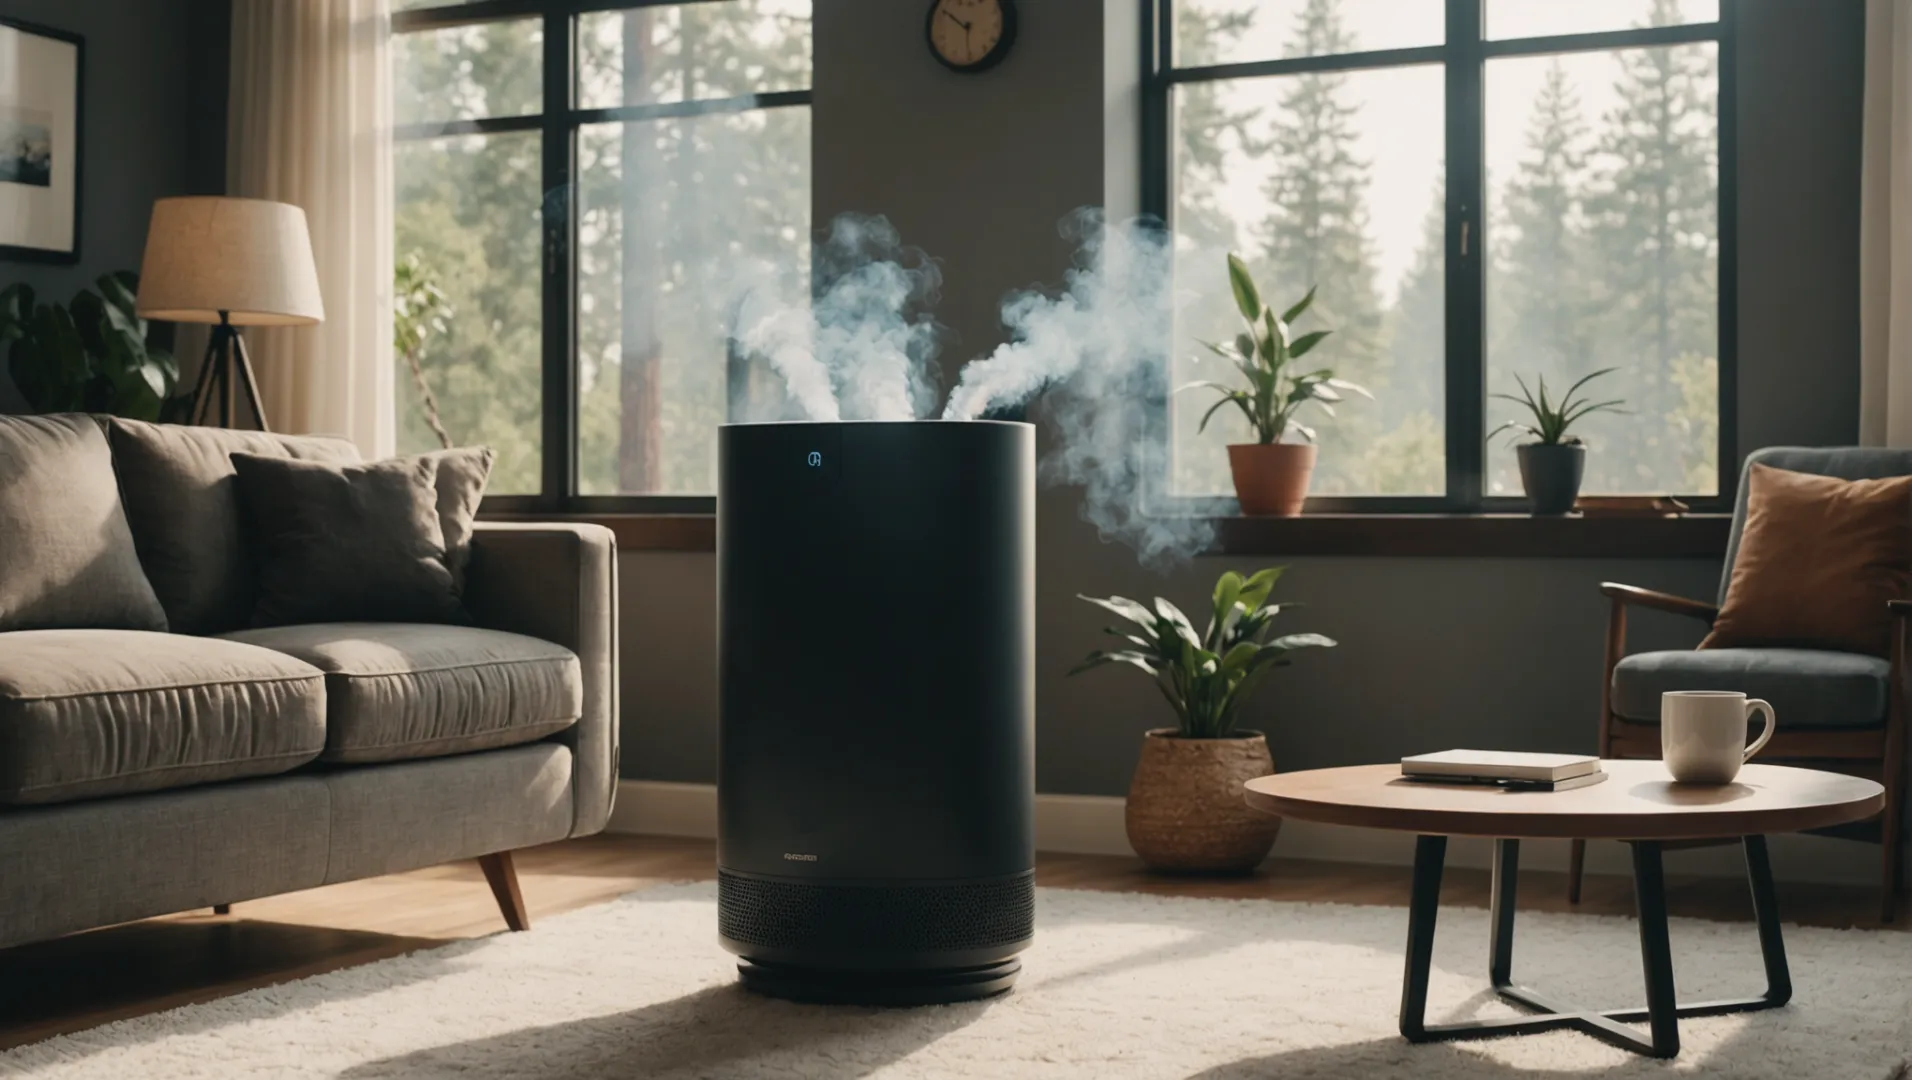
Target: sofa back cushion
182,501
67,558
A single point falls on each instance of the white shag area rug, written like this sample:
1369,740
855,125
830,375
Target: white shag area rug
1118,985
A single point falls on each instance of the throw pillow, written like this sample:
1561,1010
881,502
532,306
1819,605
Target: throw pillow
347,543
1818,559
183,505
460,477
67,559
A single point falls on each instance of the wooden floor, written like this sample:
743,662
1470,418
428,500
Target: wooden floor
87,979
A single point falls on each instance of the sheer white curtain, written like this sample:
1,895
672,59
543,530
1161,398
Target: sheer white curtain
1885,229
309,124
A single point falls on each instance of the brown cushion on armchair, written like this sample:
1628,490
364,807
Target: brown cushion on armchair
1818,559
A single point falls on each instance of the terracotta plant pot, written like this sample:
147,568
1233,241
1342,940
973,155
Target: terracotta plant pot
1186,812
1271,479
1551,476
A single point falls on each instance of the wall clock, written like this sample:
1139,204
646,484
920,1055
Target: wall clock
971,35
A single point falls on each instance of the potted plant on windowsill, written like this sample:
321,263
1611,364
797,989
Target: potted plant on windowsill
1552,464
1271,476
1186,811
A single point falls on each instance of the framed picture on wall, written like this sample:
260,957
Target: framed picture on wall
40,78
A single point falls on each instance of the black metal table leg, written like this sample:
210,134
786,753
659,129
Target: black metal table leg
1772,947
1424,901
1506,884
1662,1011
1656,953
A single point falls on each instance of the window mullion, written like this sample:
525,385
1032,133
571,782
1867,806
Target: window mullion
560,383
1465,293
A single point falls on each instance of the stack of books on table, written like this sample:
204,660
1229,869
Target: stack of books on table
1504,768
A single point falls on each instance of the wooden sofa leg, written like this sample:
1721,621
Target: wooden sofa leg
1576,869
222,909
503,879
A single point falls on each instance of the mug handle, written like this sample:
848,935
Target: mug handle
1754,705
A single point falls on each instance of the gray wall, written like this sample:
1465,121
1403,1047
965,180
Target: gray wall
154,125
1435,652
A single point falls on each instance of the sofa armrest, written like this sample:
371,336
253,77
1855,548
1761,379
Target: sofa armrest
558,582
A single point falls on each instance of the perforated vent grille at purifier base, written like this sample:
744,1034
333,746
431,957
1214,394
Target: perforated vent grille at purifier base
877,918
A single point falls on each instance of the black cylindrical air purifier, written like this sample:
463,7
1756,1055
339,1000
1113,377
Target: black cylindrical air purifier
875,782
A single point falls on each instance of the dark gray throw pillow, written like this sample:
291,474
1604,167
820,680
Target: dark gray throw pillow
460,478
348,543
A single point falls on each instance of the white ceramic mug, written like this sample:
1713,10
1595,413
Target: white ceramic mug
1703,734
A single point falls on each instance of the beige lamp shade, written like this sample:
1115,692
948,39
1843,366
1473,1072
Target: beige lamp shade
249,258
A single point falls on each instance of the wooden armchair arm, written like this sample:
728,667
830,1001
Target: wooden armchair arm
1623,597
1901,608
1677,605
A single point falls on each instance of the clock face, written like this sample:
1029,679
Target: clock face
971,35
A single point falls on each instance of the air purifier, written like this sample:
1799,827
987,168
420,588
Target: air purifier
875,778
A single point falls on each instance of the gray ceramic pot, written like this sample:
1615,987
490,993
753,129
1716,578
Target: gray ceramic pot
1551,475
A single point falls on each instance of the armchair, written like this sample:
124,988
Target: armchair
1845,712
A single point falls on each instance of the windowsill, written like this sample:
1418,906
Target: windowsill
1693,536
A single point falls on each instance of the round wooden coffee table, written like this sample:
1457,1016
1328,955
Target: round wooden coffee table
1637,803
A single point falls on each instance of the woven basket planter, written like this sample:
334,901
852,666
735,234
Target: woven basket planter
1186,812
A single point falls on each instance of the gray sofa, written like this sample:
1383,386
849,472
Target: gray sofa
158,755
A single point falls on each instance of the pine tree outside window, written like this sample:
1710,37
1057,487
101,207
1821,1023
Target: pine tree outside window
1480,188
597,191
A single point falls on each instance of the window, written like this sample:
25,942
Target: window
1481,190
585,198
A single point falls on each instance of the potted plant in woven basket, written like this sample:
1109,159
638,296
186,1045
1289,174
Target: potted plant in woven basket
1185,807
1271,476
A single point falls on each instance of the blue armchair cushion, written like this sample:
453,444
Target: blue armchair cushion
1808,688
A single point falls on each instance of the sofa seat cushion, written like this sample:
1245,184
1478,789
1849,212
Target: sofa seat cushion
1808,688
398,691
90,713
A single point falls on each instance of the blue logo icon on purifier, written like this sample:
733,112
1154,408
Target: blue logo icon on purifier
816,460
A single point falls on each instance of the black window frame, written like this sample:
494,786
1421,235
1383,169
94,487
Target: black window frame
559,129
1463,56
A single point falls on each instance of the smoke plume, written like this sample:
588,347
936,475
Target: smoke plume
1095,353
1090,356
864,347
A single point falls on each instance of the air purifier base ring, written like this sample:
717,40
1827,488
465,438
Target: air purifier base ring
849,986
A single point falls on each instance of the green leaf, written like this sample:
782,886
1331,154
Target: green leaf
1125,608
1227,589
1301,305
121,290
16,311
1174,617
1247,297
1245,346
1352,388
1217,350
1305,342
1125,656
1210,384
1512,425
1232,398
1302,641
1237,658
1255,590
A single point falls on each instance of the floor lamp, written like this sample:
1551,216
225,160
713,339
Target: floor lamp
230,263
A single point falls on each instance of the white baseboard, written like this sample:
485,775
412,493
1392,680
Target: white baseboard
1092,825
